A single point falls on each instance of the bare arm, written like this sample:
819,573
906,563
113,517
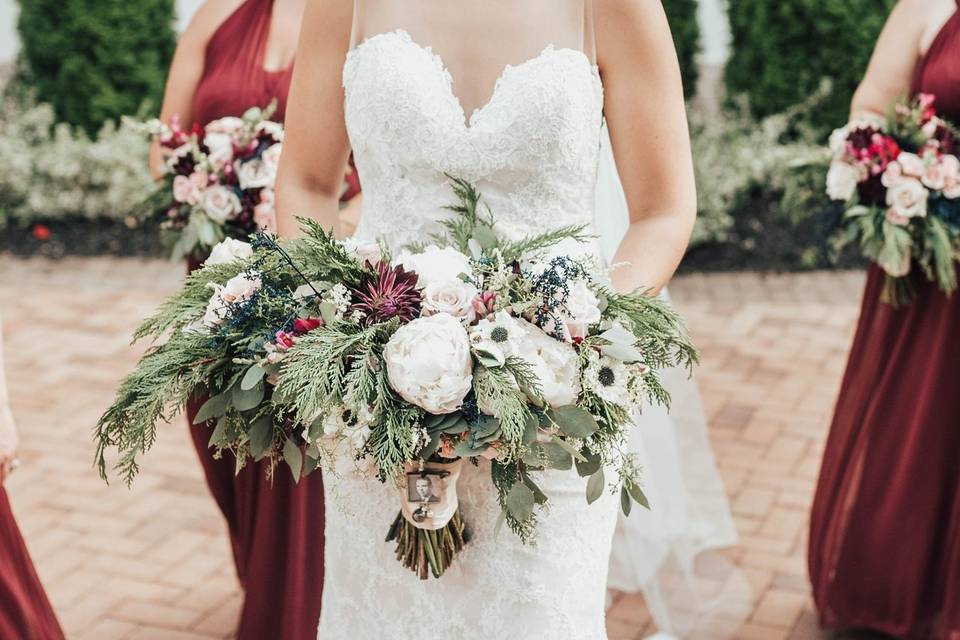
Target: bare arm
316,147
187,69
908,32
646,115
8,430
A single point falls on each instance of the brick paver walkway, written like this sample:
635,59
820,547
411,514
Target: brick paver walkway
152,563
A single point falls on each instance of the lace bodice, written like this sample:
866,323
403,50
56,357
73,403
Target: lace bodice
531,149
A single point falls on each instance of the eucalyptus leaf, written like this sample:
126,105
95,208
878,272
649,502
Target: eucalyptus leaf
520,502
294,459
310,464
219,436
538,495
247,399
261,437
432,446
328,311
252,377
625,503
595,486
530,431
457,427
569,448
464,450
574,421
485,236
556,456
212,408
591,463
637,494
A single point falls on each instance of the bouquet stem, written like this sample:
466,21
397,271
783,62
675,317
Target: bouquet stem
898,291
428,552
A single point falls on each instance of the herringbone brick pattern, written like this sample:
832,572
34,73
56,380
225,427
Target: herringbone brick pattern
153,563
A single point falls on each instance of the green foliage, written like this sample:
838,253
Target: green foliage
49,172
95,60
782,51
682,15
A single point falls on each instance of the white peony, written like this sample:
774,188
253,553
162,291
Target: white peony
435,264
239,288
908,198
842,180
220,203
229,124
451,296
255,174
228,251
555,364
429,363
271,157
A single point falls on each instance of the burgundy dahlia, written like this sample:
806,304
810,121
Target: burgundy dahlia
389,293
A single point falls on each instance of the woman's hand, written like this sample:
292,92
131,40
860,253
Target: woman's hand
9,442
646,115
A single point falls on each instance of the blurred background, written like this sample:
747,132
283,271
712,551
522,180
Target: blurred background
770,302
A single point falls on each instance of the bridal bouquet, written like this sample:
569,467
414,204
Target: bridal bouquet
900,180
219,180
469,347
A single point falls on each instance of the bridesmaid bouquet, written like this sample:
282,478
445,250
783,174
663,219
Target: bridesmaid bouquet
469,347
219,180
900,180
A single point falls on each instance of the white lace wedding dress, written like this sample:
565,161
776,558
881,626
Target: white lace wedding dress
532,150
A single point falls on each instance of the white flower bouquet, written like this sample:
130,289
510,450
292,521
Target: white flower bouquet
900,182
472,346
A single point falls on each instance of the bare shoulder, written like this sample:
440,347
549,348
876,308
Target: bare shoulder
208,19
634,30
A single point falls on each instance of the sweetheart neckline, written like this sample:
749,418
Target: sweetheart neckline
468,122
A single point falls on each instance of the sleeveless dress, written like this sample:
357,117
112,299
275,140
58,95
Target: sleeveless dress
532,150
885,531
25,612
275,527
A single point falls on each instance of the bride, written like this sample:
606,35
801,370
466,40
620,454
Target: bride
395,80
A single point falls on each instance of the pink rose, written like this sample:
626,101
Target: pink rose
185,191
892,175
265,217
284,340
271,157
934,177
895,218
229,125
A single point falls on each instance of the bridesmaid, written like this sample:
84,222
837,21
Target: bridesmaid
885,531
25,611
234,55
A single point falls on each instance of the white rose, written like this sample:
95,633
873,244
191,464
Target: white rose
272,129
934,176
581,310
363,251
230,124
255,174
556,365
838,140
220,203
435,264
271,157
452,296
220,148
228,251
842,180
911,163
429,363
239,288
908,198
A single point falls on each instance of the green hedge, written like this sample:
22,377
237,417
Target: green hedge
686,36
782,49
95,60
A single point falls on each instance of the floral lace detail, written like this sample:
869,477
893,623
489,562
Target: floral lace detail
533,151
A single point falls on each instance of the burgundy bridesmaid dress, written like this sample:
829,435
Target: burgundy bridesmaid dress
884,548
25,612
276,527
